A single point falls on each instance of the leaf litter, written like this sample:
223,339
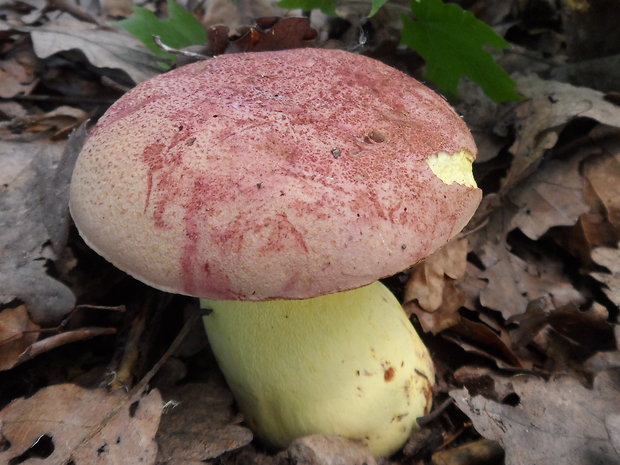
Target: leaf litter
521,311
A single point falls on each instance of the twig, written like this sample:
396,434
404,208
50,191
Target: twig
52,342
437,411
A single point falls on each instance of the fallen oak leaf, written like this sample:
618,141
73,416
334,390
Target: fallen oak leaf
541,118
201,425
609,257
602,174
103,48
83,426
430,292
552,196
34,224
559,421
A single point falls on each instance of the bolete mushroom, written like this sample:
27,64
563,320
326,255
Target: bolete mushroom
277,176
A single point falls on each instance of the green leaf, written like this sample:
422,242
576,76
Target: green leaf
326,6
180,29
451,41
376,5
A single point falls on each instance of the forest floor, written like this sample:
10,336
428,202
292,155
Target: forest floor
520,311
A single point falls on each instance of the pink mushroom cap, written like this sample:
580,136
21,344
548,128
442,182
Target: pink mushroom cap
256,176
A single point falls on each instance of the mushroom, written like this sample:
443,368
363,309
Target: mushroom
268,183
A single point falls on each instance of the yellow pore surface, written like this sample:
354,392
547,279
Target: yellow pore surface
451,168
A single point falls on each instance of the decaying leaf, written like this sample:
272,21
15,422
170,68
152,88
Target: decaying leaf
103,48
82,426
200,423
605,360
540,119
431,293
552,196
270,33
58,123
34,224
238,13
559,421
609,258
602,174
514,282
17,333
480,339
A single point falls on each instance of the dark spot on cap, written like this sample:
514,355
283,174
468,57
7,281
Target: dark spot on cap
388,375
374,137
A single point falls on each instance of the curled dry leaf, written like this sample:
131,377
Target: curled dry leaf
478,338
103,48
559,421
58,122
540,119
82,426
431,293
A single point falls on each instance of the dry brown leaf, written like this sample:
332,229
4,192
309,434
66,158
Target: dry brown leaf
540,119
60,121
565,336
103,48
271,33
34,224
17,333
428,278
609,258
18,71
238,13
479,339
592,230
602,174
513,283
82,426
552,196
431,292
200,424
559,421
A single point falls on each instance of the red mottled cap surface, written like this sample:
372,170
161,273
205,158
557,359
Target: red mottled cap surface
267,175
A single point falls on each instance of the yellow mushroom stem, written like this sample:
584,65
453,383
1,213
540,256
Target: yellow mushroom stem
348,364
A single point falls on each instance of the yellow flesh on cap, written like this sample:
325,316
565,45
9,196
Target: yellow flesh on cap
451,168
348,364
